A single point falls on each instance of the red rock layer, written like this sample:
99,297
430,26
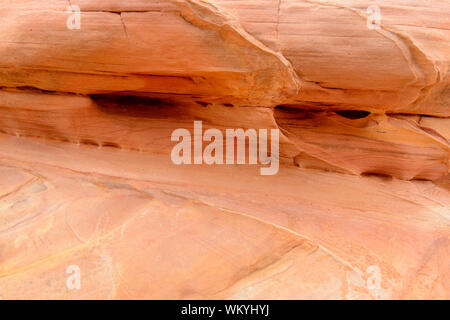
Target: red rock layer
86,115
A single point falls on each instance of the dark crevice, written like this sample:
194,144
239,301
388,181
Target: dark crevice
36,90
29,88
130,106
129,100
353,114
111,145
89,142
120,11
202,103
302,108
377,174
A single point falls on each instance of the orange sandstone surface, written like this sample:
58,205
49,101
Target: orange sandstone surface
360,205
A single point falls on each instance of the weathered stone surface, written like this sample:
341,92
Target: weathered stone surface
139,227
317,53
374,144
359,209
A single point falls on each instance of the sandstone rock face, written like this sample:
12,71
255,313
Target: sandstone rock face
92,205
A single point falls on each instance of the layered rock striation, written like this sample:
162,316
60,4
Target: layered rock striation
360,94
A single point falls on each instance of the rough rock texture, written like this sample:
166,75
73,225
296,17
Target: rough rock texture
359,209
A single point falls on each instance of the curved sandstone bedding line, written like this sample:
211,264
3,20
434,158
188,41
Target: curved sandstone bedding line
358,210
375,144
395,146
